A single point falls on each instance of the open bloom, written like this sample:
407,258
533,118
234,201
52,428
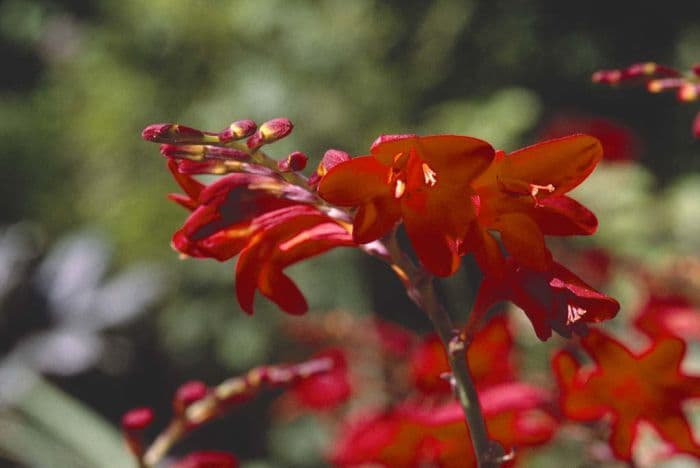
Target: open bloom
257,216
424,181
523,196
555,299
630,387
411,435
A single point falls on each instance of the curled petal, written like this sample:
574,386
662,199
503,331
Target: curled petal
355,182
563,216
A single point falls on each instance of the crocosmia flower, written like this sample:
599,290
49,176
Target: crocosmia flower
259,217
553,300
411,435
424,181
522,195
630,388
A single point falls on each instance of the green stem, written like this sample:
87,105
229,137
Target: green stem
421,290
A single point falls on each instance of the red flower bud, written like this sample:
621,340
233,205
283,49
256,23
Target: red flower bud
296,161
689,92
238,130
269,132
199,152
133,424
177,134
189,393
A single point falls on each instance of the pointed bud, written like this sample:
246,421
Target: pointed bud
187,394
689,92
177,134
238,130
331,158
134,422
200,152
296,161
269,132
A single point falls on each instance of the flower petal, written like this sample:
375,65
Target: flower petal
562,162
355,182
436,251
281,290
563,216
374,219
523,240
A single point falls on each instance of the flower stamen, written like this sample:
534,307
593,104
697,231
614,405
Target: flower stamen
429,175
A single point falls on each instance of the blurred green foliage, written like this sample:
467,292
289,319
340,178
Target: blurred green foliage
81,80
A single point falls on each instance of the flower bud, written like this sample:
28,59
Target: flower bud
177,134
269,132
296,161
689,92
134,422
187,394
200,152
238,130
664,84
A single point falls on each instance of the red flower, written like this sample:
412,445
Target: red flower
553,300
260,217
488,356
630,387
410,436
522,196
619,143
671,315
327,390
424,181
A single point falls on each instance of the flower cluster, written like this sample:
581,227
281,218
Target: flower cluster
454,195
657,78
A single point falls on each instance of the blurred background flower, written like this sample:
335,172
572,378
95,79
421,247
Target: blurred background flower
98,314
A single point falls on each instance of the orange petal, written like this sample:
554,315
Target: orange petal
624,430
562,162
375,219
281,290
563,216
455,159
524,240
355,182
434,249
486,250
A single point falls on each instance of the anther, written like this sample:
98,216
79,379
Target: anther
399,189
429,175
535,189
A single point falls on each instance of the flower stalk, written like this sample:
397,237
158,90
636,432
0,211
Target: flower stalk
421,289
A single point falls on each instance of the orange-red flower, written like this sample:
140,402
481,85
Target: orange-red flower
522,196
553,300
410,435
424,181
488,355
259,217
630,387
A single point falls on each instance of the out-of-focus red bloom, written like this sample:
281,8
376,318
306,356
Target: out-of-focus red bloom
522,196
619,143
630,387
410,436
488,355
424,181
207,459
257,216
553,300
671,315
327,390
